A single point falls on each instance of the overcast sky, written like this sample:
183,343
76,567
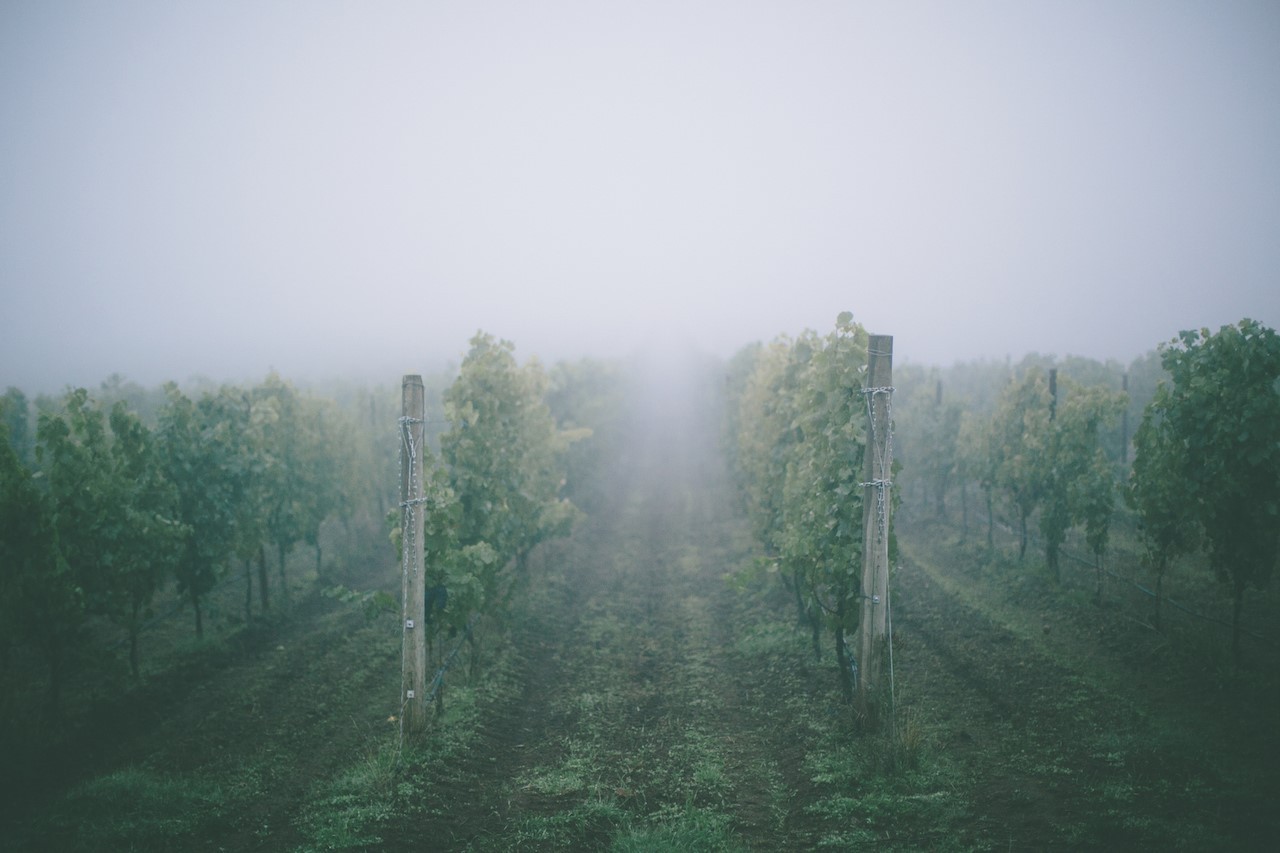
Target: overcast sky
220,188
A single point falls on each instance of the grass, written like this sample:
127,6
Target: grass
692,829
586,825
344,813
890,787
136,809
1156,770
351,809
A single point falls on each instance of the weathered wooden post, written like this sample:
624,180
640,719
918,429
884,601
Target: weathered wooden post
878,461
413,694
1124,422
1053,392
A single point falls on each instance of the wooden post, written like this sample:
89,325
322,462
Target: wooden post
878,463
1053,392
413,694
1124,422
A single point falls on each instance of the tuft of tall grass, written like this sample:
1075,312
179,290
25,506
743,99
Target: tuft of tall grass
694,830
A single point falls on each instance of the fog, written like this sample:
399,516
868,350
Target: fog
353,189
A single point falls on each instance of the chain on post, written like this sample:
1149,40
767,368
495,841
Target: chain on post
882,484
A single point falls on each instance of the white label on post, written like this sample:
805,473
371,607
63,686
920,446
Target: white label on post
410,694
408,624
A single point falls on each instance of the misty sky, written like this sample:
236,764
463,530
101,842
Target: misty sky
220,188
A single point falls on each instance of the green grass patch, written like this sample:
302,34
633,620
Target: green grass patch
343,813
886,786
350,810
588,825
556,781
693,830
770,639
134,809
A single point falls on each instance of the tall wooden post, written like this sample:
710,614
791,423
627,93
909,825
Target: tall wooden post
1053,392
878,461
413,672
1124,422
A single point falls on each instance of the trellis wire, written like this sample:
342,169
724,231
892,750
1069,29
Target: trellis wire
1033,538
438,681
882,484
1165,599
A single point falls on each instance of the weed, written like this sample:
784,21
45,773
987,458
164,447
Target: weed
555,782
135,809
342,813
770,639
904,746
587,825
694,830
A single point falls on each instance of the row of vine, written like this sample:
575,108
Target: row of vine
1204,475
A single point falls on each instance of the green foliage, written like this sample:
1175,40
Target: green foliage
496,492
201,457
1078,481
1214,429
504,454
1166,517
586,400
40,602
940,456
763,441
822,496
503,450
286,473
800,447
116,508
113,508
1020,438
373,603
15,414
1047,455
145,538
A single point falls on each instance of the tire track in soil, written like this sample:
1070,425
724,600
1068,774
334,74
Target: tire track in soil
761,728
1015,718
1109,731
477,795
692,511
473,794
